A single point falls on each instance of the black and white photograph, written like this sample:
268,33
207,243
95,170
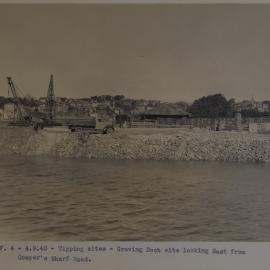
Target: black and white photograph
134,122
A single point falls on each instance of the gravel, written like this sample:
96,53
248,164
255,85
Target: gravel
183,144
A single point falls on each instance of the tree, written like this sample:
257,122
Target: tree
212,106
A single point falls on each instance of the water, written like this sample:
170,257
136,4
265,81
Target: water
72,199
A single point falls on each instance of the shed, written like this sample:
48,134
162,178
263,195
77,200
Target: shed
166,114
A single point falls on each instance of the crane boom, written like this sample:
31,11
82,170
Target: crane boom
27,117
17,102
50,102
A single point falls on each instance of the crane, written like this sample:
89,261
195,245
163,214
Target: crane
25,116
50,101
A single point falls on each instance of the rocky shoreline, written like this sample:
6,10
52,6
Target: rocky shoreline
180,144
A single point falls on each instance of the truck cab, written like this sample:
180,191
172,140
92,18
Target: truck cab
105,124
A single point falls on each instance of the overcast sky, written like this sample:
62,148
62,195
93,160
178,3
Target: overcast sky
165,52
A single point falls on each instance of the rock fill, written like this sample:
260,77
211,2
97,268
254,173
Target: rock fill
181,144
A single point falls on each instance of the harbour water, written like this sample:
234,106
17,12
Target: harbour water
43,198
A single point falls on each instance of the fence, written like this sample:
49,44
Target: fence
259,124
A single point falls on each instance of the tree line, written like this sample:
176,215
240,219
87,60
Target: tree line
212,106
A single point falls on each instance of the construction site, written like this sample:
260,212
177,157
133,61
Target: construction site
163,132
49,113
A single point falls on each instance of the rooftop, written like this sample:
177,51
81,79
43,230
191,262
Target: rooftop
167,109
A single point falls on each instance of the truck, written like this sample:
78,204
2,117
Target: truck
93,124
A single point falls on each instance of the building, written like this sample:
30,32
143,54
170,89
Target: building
252,105
168,114
61,108
10,111
266,106
244,105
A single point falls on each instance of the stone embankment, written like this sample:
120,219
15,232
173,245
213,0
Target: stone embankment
180,144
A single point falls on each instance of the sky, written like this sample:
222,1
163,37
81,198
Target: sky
163,52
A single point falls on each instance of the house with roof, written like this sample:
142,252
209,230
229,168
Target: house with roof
165,113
